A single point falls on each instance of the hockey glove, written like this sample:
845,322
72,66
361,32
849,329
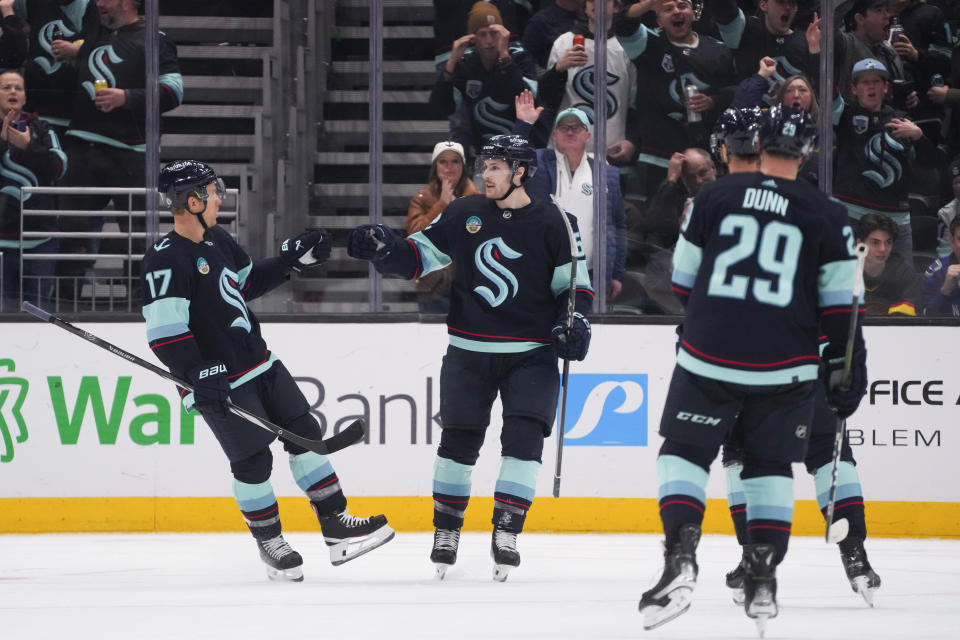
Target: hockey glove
845,401
572,344
370,242
309,249
211,390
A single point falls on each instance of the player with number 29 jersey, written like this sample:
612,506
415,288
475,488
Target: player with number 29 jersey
743,264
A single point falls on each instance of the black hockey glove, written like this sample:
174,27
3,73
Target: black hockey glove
845,401
309,249
370,242
571,345
211,390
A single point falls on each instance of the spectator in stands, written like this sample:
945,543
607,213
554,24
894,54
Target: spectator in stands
448,179
948,213
770,34
687,80
13,41
568,81
57,31
31,156
106,142
941,281
867,23
546,26
687,172
566,173
925,48
891,285
484,73
876,147
449,16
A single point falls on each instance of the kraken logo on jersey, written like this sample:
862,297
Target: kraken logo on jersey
163,245
586,88
486,258
45,39
99,65
229,281
492,117
889,168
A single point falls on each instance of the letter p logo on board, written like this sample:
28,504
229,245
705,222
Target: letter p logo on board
606,410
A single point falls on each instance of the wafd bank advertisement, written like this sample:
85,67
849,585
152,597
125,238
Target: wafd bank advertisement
80,425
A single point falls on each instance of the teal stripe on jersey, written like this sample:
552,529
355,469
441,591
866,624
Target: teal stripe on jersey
657,161
636,43
835,283
518,477
800,373
561,277
848,483
166,317
769,498
732,33
735,492
514,346
686,262
243,274
451,478
309,468
678,476
110,142
431,258
175,82
253,497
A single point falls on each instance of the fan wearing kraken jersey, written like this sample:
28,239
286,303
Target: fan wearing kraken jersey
686,79
769,34
508,304
762,260
196,283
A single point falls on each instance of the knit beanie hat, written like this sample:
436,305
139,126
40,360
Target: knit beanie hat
483,14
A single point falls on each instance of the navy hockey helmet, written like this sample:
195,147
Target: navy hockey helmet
788,131
184,178
516,151
739,131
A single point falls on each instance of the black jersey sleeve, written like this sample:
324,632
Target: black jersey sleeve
563,261
170,80
254,278
167,285
838,268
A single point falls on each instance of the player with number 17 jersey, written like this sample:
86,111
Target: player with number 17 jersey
743,261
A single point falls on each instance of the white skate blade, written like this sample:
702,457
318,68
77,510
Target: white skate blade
501,571
738,597
349,548
294,574
837,531
441,569
861,585
656,615
761,622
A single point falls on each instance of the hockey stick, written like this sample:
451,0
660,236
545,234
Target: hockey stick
834,535
565,377
351,435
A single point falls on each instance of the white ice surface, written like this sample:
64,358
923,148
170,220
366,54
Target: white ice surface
169,586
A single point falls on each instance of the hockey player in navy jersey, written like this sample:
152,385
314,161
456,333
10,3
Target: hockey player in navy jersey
507,306
762,262
735,143
196,285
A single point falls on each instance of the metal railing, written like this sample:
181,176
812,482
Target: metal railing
110,280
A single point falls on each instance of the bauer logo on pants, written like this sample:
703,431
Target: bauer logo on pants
606,410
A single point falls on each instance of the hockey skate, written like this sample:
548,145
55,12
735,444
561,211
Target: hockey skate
672,595
735,583
760,584
349,536
444,554
283,563
503,549
863,579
